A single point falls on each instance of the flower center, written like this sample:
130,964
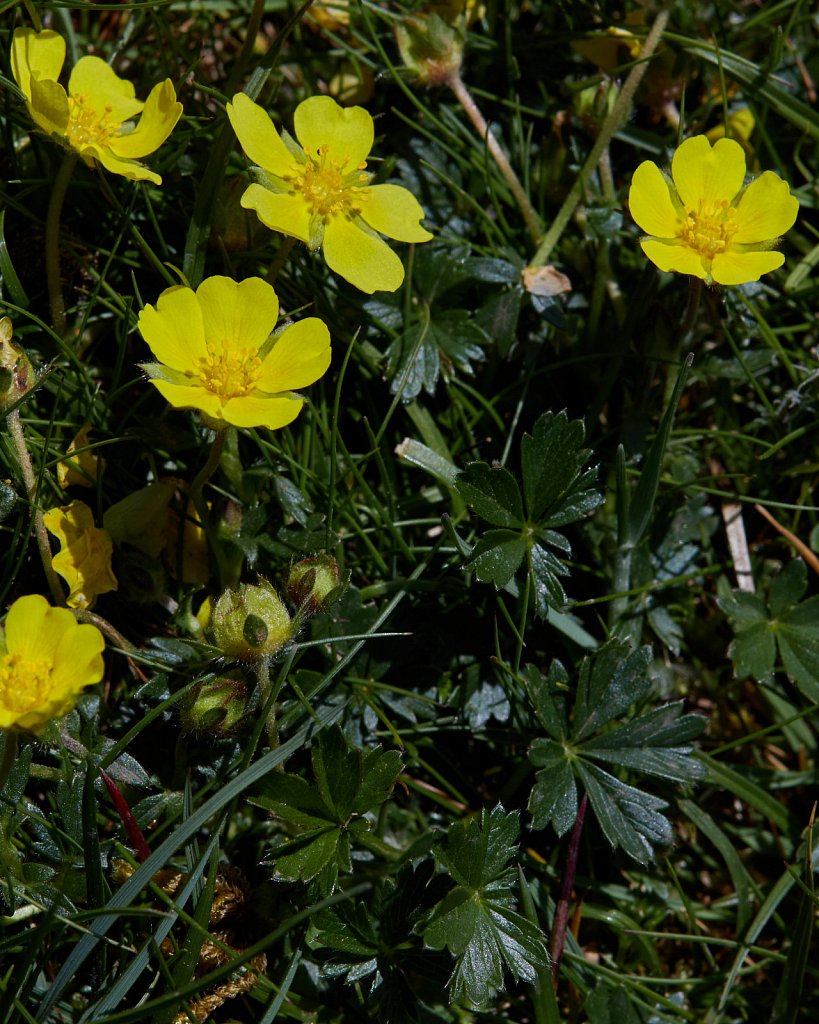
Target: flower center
88,126
709,229
24,685
229,372
326,187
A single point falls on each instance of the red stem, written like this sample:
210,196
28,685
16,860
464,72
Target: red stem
560,924
128,819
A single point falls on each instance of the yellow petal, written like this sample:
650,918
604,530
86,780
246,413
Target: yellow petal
345,134
260,411
49,107
139,518
174,330
742,267
129,169
300,356
289,214
675,257
40,53
258,138
182,396
395,212
83,469
237,314
33,630
766,210
650,202
102,88
361,258
706,175
158,119
78,661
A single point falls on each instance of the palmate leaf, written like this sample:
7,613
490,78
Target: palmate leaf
782,624
323,819
475,921
655,743
556,492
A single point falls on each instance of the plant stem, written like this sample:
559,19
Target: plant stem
18,438
690,316
464,97
612,124
52,242
271,725
557,940
281,257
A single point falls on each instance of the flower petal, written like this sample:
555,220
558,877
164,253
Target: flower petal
129,169
174,330
766,210
101,87
34,628
49,106
260,411
742,267
258,138
674,257
237,314
345,134
279,211
38,53
157,121
706,175
300,355
360,257
183,396
78,661
395,212
649,201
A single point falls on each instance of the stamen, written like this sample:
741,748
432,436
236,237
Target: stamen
229,372
709,229
24,685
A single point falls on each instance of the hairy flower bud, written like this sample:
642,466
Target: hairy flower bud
16,372
430,47
312,582
215,706
250,622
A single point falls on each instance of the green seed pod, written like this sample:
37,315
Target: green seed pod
215,707
312,583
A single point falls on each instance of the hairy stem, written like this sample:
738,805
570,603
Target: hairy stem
18,438
464,97
557,940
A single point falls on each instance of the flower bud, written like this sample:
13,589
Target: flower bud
250,622
431,48
216,706
16,372
312,581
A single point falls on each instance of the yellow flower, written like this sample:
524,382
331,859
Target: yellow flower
705,223
95,117
217,355
84,560
46,660
320,192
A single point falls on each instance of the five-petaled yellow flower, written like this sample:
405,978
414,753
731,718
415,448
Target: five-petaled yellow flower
704,222
320,191
216,352
46,660
95,117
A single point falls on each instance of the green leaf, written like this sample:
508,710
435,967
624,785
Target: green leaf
548,695
475,921
497,556
303,858
629,817
788,587
554,795
551,458
493,493
609,684
337,771
545,569
379,770
797,634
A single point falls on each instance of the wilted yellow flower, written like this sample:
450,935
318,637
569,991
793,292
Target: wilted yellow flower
81,470
704,222
95,117
46,660
320,191
84,560
141,518
217,354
